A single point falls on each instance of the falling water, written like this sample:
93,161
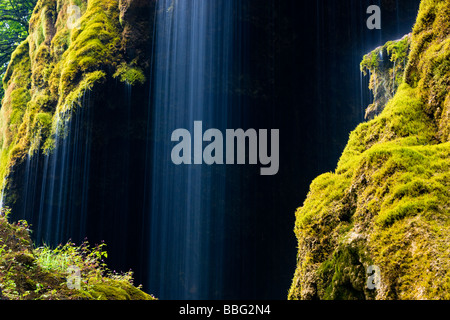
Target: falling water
366,93
193,50
54,197
393,79
362,93
2,200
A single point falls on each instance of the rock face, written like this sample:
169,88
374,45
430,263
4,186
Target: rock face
387,202
60,61
386,66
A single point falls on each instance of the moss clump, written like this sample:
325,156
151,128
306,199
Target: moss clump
338,281
130,75
387,203
28,273
116,290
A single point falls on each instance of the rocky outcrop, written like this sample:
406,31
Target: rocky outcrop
387,202
386,66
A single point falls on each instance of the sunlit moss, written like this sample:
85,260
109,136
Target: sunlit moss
429,67
17,82
386,65
387,203
29,273
130,75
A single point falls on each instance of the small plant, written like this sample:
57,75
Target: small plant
5,212
88,259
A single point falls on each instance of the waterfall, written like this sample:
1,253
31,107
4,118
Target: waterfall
393,79
2,200
68,169
192,61
361,88
366,93
54,194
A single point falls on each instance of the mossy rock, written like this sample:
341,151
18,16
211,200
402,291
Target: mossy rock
117,290
27,275
387,202
386,65
51,71
25,259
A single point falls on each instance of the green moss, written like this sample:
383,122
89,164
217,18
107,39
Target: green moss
399,50
28,273
428,67
403,122
19,99
386,65
13,120
18,59
333,186
342,277
51,71
130,75
44,119
87,83
371,61
40,65
102,291
387,203
116,290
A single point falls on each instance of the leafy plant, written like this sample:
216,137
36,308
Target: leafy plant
88,259
14,17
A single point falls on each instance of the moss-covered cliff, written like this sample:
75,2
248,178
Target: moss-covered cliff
61,60
387,202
